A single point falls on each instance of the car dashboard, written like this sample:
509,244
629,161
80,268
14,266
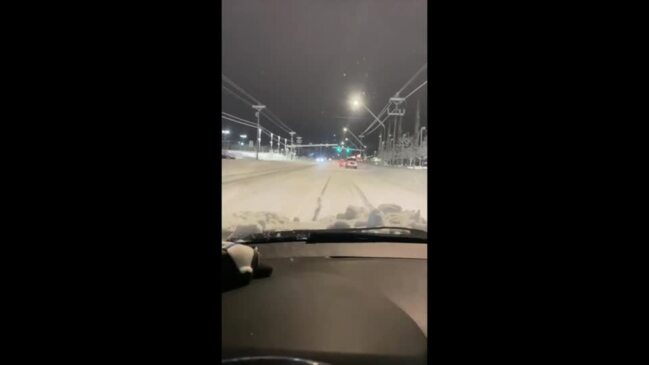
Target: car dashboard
337,304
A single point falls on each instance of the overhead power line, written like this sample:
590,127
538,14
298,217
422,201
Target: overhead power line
226,79
422,68
375,125
415,90
269,114
250,104
375,121
249,123
236,95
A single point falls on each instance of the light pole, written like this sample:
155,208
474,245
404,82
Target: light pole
356,102
271,142
226,133
258,108
345,130
243,137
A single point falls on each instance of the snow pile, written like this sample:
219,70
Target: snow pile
391,215
239,169
266,156
244,223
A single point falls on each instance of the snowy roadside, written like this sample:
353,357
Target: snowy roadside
231,168
264,156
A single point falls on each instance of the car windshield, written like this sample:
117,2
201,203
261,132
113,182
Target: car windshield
324,115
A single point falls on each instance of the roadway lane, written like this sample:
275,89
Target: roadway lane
310,192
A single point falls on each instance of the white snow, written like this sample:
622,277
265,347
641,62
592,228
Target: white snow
265,156
280,195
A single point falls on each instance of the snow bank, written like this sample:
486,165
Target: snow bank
244,223
239,168
266,156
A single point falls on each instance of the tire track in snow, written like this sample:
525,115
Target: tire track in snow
317,209
363,197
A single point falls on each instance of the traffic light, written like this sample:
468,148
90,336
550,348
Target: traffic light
347,150
338,149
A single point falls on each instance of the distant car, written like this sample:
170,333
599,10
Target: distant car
351,163
226,157
341,163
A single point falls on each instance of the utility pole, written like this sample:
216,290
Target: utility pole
279,144
258,108
417,122
271,142
299,142
397,111
394,141
291,133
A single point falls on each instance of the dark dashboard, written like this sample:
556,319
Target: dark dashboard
333,303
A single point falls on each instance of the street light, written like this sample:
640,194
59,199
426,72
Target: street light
226,134
243,136
356,101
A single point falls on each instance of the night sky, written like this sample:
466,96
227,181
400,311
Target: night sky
304,58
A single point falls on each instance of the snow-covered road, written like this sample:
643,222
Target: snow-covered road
285,195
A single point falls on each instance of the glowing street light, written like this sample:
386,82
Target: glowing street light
225,132
243,136
356,101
